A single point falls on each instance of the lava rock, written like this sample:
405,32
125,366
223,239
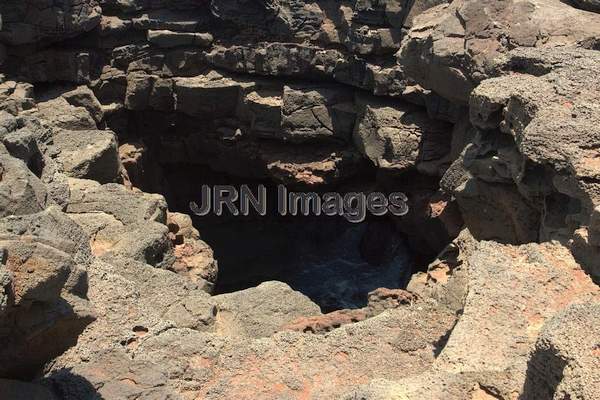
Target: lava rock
207,95
565,359
123,204
87,154
166,39
398,137
317,113
31,21
243,313
21,192
45,308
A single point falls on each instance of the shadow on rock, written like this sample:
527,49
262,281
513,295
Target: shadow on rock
544,374
67,385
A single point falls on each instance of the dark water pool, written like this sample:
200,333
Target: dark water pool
318,256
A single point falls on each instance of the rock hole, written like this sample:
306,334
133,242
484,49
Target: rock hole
140,330
332,261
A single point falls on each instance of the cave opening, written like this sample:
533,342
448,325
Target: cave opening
332,261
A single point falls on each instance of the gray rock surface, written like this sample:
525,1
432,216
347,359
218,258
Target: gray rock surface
556,176
87,154
317,112
243,313
452,47
124,205
399,137
491,357
45,256
565,357
164,38
30,21
21,192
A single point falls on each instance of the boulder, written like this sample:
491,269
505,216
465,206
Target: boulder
125,205
21,192
16,96
261,311
365,41
207,96
537,138
102,357
146,242
111,87
139,88
195,260
263,109
87,154
59,113
565,361
399,137
452,47
181,227
22,144
31,21
45,305
551,302
312,112
84,97
542,279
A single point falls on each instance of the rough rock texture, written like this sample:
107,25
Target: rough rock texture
536,135
30,21
453,47
261,311
566,356
509,297
20,190
45,256
396,136
485,112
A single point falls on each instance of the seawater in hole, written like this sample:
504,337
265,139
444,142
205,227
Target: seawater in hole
339,277
319,258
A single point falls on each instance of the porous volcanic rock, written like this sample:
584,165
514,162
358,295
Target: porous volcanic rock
45,257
